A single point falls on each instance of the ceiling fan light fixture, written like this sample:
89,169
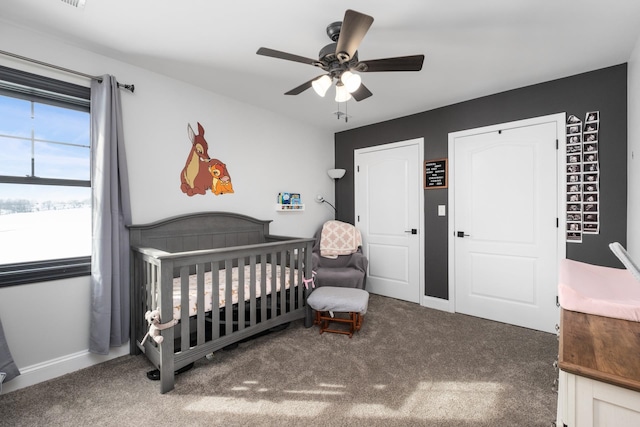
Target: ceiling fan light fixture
75,3
351,81
321,85
342,94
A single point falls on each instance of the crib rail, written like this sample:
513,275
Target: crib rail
255,309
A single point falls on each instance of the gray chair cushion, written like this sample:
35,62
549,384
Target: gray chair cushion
348,271
329,298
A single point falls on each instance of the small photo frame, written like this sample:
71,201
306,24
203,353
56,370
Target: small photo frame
590,228
574,237
573,217
590,177
591,147
574,148
574,168
574,226
574,129
573,158
590,217
593,116
574,188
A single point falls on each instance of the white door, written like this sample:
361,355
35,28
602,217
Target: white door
388,204
505,232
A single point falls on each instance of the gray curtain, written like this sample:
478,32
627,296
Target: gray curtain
111,214
6,360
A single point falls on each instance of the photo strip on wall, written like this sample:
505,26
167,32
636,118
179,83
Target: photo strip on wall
582,177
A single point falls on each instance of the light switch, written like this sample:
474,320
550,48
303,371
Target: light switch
442,210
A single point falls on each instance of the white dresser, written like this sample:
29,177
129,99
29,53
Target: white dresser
599,377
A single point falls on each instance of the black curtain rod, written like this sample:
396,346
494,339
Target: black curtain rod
129,87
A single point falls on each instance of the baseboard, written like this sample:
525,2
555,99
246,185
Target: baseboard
54,368
437,303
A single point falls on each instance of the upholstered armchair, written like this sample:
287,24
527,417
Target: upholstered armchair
347,270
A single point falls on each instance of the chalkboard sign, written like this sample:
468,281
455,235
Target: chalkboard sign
435,174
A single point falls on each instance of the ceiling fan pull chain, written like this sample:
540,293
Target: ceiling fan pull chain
346,111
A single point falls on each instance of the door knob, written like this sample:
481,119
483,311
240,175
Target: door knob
462,234
412,231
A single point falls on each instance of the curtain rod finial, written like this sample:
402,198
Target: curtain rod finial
130,88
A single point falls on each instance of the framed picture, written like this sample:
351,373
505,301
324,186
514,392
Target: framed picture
435,174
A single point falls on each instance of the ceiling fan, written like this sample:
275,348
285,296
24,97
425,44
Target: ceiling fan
340,60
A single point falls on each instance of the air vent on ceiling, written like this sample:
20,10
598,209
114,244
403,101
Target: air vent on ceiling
74,3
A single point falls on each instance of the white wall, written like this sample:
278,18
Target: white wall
633,154
46,324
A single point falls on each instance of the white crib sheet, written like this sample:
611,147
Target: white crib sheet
193,297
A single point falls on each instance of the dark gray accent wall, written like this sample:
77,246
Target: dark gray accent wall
603,90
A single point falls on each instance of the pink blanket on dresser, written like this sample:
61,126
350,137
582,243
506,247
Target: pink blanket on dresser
603,291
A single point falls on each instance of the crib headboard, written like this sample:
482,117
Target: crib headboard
203,230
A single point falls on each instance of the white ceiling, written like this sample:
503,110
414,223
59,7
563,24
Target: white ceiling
472,48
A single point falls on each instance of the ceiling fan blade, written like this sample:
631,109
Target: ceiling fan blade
304,86
354,27
361,93
401,63
288,56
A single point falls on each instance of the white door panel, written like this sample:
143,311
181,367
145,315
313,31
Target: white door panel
388,201
506,206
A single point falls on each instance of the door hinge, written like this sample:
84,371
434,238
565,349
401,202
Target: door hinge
358,218
358,168
557,144
557,222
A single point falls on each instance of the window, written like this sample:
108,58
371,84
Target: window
45,179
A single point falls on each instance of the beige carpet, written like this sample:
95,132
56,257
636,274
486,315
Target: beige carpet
407,366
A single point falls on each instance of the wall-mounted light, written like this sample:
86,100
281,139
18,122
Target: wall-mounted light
321,199
336,173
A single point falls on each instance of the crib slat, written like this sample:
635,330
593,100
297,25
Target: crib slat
200,335
282,277
241,300
274,284
152,295
303,273
252,290
293,280
263,288
184,311
166,353
228,296
215,300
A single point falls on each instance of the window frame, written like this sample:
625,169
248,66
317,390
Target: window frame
63,94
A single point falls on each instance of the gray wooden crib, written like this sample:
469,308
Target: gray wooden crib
221,275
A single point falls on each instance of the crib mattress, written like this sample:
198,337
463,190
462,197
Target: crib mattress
208,301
